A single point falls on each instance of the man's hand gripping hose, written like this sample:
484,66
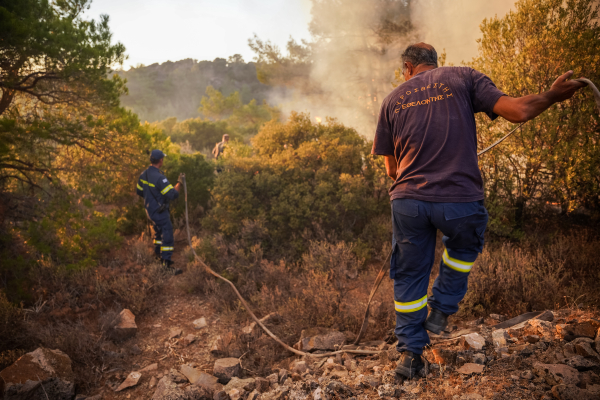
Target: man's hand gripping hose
245,304
582,80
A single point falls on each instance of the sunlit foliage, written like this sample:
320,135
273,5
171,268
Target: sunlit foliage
554,159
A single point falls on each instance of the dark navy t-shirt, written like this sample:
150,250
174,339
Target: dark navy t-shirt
428,125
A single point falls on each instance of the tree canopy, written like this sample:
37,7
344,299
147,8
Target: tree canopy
553,160
50,54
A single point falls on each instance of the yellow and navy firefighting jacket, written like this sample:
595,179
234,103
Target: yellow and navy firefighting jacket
156,190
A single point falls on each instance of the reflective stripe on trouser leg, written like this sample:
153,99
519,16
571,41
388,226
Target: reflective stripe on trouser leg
411,306
451,284
157,238
166,249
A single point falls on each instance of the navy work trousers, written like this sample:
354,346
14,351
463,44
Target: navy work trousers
415,226
163,238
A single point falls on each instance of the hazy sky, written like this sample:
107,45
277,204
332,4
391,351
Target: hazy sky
157,31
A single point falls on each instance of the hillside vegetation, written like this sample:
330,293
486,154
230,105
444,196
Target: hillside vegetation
174,89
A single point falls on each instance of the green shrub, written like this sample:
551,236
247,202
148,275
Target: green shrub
302,181
73,234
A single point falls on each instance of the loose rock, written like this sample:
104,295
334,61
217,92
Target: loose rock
189,339
227,368
150,368
169,390
546,316
389,391
474,341
557,374
50,368
585,349
586,328
200,323
321,339
241,384
262,384
132,380
175,332
125,326
499,337
470,368
572,392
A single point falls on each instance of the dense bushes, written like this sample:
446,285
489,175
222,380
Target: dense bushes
300,181
552,161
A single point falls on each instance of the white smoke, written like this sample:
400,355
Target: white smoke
356,53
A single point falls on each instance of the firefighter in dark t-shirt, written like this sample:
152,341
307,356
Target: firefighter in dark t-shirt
426,131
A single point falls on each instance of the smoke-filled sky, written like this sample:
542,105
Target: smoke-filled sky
158,30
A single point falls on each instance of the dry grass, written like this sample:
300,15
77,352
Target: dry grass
75,308
323,289
511,279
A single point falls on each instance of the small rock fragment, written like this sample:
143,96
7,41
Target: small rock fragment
580,363
470,368
152,382
299,367
585,349
572,392
200,323
556,374
499,337
321,339
175,332
177,376
125,326
131,380
474,341
531,338
389,390
227,368
254,395
586,328
479,358
235,394
527,375
261,384
546,316
273,378
25,377
189,339
241,384
150,368
498,317
220,395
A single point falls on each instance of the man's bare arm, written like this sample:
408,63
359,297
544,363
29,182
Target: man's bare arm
522,109
391,167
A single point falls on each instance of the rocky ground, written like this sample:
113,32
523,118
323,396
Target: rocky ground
182,351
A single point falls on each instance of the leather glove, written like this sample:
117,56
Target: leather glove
181,178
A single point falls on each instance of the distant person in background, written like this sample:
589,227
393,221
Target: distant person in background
157,192
427,133
219,147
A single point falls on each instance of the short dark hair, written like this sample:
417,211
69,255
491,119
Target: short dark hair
418,55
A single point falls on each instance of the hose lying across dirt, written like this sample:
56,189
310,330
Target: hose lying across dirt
245,304
377,280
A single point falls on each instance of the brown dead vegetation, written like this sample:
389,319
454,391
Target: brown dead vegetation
328,287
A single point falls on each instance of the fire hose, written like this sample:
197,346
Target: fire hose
378,279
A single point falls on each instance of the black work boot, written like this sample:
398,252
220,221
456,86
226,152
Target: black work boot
409,364
436,321
168,268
